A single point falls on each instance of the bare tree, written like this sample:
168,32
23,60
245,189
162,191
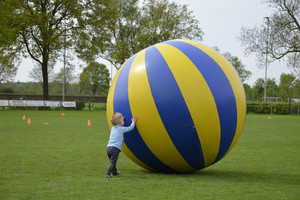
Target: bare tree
37,74
278,37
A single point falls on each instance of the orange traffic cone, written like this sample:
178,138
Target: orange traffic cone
89,123
62,115
29,121
24,117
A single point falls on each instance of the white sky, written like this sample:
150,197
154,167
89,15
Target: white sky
221,22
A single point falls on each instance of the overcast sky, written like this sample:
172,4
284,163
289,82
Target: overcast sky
221,22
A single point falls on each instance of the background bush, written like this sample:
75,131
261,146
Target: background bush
80,105
273,107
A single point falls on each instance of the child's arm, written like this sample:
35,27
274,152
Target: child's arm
134,119
131,127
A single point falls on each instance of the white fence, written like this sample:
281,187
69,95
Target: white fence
30,103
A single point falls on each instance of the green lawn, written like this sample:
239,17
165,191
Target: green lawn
59,157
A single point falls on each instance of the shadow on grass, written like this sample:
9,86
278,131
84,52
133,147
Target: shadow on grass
248,176
233,176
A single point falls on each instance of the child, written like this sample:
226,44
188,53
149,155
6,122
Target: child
115,142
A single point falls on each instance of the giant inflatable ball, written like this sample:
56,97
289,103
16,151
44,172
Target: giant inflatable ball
190,105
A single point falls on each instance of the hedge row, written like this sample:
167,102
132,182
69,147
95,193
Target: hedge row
273,107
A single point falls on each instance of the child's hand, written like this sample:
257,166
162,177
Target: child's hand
134,119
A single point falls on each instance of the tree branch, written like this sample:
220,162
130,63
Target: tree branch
28,49
292,15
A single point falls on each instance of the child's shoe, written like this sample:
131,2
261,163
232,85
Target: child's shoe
116,174
108,176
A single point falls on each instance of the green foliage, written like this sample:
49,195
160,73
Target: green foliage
39,30
111,29
248,92
92,41
272,89
286,86
163,20
17,108
69,79
95,106
297,89
80,105
63,158
36,88
6,90
273,107
28,88
84,83
8,69
238,65
132,26
94,77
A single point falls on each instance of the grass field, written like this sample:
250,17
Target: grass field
59,157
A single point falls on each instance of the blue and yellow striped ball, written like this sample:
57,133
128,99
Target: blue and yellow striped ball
189,101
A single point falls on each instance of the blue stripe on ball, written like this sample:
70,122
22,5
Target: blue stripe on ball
220,88
174,114
133,140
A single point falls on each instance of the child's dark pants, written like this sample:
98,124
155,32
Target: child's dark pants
113,154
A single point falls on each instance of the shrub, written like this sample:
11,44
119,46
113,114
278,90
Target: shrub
80,105
272,107
6,90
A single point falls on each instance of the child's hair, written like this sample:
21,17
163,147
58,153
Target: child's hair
116,118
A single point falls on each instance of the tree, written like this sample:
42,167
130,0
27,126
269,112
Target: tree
248,92
238,65
287,85
278,37
258,88
136,26
39,29
98,77
162,20
84,83
7,68
272,88
297,89
92,40
37,74
59,78
26,87
124,32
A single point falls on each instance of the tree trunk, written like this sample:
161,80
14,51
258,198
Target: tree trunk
45,78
